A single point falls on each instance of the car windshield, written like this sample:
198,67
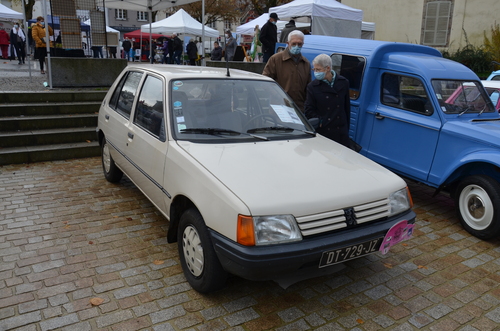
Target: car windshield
208,109
460,97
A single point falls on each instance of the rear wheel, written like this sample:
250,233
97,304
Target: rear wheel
199,261
478,201
112,173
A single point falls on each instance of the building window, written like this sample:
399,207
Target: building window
142,16
437,23
120,14
227,24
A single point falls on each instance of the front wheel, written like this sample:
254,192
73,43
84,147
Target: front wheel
112,173
478,201
199,261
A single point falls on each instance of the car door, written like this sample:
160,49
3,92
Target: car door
405,126
146,140
118,113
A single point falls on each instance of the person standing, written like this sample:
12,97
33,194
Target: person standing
177,47
290,69
216,53
256,49
230,47
289,27
328,100
164,48
269,37
126,45
192,52
18,40
38,31
112,52
4,43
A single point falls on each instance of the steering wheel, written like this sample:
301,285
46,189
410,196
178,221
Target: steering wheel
256,117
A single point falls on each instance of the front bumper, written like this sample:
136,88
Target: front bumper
272,261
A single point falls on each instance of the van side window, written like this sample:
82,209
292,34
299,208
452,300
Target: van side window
127,93
406,93
352,68
149,110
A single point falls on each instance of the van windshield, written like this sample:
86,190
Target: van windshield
460,97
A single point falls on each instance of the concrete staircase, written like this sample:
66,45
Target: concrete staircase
47,126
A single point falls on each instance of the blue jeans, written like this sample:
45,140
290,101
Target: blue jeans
177,56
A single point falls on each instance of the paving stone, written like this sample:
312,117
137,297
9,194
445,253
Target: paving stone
241,317
58,322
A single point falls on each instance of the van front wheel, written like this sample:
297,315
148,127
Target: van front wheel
478,201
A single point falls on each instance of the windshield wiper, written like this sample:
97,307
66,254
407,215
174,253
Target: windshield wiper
279,128
218,131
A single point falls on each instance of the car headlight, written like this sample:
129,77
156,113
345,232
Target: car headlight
400,201
266,230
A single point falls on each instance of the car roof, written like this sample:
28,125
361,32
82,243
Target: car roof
491,83
183,71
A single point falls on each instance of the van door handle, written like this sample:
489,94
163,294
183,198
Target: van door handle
106,117
378,116
130,135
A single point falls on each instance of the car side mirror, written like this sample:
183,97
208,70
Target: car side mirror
314,122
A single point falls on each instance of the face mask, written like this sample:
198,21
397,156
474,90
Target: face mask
295,50
319,75
274,22
16,26
42,23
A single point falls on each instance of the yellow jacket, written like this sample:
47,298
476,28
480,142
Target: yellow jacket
38,32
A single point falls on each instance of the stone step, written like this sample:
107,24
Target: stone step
52,96
27,123
49,108
31,154
46,137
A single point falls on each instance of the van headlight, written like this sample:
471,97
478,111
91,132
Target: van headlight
266,230
400,201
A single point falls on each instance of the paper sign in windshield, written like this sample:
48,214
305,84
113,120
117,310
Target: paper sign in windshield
286,114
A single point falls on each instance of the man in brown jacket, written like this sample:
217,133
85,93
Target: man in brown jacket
290,69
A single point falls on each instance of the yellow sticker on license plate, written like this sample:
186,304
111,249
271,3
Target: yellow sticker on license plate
350,252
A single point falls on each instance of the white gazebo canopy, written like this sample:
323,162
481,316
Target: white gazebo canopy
180,22
145,5
248,27
6,12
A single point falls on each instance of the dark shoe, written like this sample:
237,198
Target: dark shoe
42,72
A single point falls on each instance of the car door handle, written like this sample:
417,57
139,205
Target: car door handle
130,135
106,117
378,116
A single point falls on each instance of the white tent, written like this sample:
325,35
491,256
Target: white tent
145,5
329,17
180,22
248,27
6,12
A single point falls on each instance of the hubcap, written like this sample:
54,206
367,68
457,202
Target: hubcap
106,158
193,250
476,207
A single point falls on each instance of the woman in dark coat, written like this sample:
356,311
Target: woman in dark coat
192,52
328,100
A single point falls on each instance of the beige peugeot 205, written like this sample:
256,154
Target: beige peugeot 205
247,186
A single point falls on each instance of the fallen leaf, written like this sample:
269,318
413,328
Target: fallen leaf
129,218
96,301
67,226
404,245
158,262
65,222
91,242
388,265
88,141
422,267
360,321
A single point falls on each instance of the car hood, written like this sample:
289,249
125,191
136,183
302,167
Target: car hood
299,177
487,131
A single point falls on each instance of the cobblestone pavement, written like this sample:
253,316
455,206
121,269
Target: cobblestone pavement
67,236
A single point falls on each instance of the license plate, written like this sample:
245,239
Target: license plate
350,252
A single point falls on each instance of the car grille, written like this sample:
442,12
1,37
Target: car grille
338,219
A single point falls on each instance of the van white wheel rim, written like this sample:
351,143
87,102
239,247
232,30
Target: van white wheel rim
193,250
476,207
106,158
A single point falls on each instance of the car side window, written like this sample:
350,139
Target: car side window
149,110
406,93
127,93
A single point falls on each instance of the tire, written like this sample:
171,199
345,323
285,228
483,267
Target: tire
111,172
199,261
478,204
